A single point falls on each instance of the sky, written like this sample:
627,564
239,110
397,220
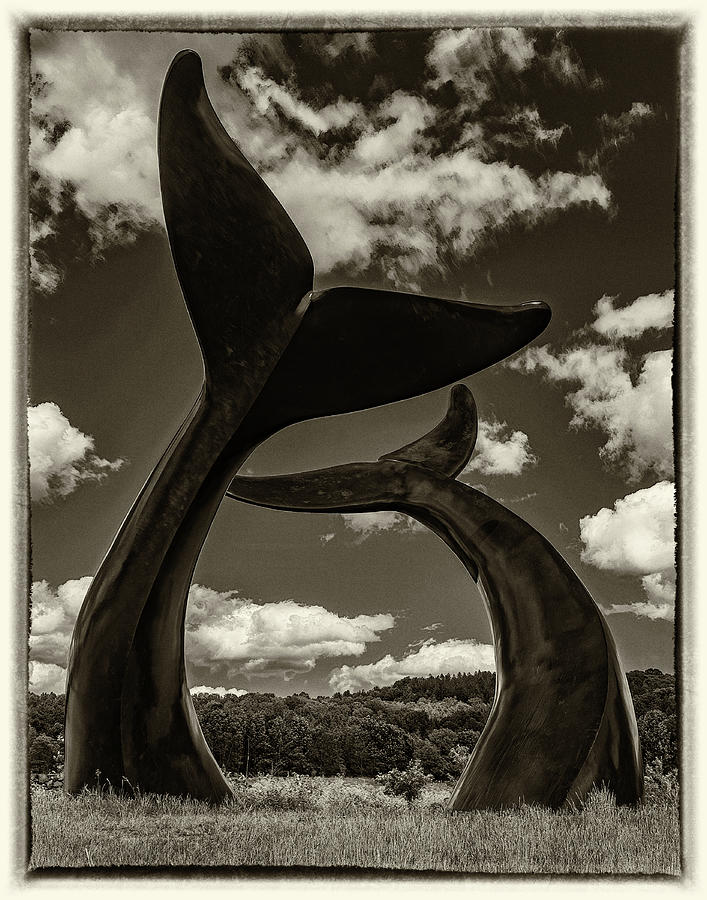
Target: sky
490,165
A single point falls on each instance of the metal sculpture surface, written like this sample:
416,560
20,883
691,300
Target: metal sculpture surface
274,353
562,719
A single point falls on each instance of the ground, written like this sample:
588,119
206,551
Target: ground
335,822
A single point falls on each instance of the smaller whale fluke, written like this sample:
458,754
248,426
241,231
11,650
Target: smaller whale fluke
448,447
562,720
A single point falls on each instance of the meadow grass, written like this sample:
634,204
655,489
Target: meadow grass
326,822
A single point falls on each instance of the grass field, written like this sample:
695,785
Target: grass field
303,821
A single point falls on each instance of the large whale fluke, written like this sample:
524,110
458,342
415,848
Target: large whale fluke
360,347
562,720
240,260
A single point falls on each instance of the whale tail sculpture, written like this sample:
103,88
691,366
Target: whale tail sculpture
274,353
562,720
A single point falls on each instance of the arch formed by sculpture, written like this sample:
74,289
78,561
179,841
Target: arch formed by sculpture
562,720
274,352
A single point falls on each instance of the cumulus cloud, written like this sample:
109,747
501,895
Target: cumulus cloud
46,678
221,691
637,537
91,130
653,311
54,613
500,451
371,188
367,524
60,456
430,659
234,636
226,634
636,414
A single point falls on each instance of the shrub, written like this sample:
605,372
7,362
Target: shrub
42,753
458,758
271,792
407,784
661,788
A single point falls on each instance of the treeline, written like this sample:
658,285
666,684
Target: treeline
437,720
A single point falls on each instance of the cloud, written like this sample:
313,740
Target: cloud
92,129
524,127
642,610
433,627
402,217
372,188
221,691
331,47
565,66
614,132
499,453
60,456
619,129
635,414
54,614
266,94
226,634
46,678
234,636
366,524
325,538
468,57
637,537
430,659
654,311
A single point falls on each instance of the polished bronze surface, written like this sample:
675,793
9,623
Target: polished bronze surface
562,719
274,353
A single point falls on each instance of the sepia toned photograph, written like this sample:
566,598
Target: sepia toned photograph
353,372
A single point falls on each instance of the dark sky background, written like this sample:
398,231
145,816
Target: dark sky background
326,118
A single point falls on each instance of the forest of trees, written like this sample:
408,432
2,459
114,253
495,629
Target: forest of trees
437,720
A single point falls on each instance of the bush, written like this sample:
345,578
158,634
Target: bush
270,792
407,784
42,754
458,758
661,788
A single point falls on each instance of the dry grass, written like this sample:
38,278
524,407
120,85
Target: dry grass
336,822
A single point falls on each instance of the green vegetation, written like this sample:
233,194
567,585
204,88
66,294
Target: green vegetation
307,821
436,720
407,784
